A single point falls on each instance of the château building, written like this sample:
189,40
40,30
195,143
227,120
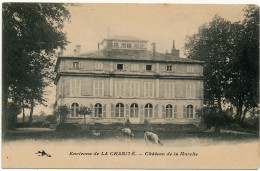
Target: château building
124,80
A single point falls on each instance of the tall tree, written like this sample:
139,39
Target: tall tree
31,33
243,87
213,45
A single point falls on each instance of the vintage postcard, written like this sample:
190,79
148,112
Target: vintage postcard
130,86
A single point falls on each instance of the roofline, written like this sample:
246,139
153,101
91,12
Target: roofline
135,60
144,41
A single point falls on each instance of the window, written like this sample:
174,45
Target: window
119,110
98,110
148,89
189,111
169,68
134,67
190,88
74,110
98,88
134,110
119,66
120,89
142,46
75,65
123,45
134,89
136,46
99,66
190,69
116,44
75,88
169,90
148,67
169,111
129,45
148,110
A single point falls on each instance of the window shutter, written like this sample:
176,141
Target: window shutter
163,111
92,110
141,89
197,90
196,112
71,64
104,110
156,111
142,112
175,111
184,111
112,110
127,111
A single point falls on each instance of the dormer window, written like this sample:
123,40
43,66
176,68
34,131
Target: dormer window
123,45
116,44
129,45
120,67
75,65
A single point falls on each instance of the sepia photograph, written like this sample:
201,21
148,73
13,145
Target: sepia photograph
130,86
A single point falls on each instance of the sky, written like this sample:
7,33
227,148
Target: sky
157,23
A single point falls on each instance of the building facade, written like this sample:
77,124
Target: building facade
123,80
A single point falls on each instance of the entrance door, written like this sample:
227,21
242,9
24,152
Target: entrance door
134,113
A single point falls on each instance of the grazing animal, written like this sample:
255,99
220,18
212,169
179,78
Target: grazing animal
43,153
127,132
152,137
95,133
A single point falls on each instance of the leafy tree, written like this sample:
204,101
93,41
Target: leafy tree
83,110
243,88
213,45
62,112
31,33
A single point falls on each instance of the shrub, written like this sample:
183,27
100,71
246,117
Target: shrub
128,124
51,118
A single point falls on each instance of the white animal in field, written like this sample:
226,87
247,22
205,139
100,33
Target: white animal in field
95,133
152,137
127,132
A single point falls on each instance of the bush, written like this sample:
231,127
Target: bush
51,118
128,124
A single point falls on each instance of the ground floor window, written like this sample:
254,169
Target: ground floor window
169,111
74,110
134,110
98,110
189,111
148,110
119,110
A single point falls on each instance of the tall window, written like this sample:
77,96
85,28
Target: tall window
134,110
169,90
74,110
169,111
134,67
148,86
190,90
119,110
75,65
190,69
134,89
115,44
136,46
123,45
99,66
98,88
75,88
98,110
189,111
148,110
129,45
120,88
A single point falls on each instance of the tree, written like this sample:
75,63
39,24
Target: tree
243,87
83,110
213,45
62,112
31,33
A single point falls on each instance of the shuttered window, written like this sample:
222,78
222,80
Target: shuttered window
98,88
190,90
75,88
134,89
169,90
148,89
120,89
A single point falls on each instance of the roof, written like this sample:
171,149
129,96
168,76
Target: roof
125,38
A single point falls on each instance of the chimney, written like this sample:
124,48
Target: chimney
153,48
78,47
75,52
175,52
